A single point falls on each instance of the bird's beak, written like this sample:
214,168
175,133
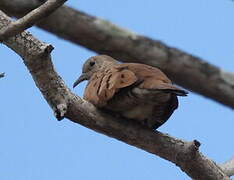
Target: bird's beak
82,77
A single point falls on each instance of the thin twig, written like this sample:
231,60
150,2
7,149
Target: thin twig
30,19
2,75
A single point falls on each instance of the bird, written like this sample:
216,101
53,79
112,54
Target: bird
132,90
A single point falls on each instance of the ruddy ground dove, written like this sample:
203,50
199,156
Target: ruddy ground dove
132,90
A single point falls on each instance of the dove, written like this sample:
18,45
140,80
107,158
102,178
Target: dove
132,90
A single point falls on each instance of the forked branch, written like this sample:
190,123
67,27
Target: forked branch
36,56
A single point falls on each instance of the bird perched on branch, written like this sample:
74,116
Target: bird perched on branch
134,91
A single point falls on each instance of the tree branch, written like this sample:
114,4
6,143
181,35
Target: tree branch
228,167
36,56
2,75
30,19
103,37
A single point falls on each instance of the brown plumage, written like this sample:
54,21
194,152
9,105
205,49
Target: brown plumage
134,91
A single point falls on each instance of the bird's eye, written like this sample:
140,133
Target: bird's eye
91,63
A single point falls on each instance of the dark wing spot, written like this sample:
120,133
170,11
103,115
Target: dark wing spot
91,63
108,80
122,75
98,89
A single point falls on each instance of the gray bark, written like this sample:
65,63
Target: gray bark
36,57
228,167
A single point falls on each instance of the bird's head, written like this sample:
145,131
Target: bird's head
93,65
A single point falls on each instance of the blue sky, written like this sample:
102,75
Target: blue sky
36,146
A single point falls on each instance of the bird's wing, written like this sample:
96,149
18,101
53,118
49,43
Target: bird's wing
104,84
164,87
154,79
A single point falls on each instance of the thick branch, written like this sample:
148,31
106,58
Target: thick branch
30,19
103,37
228,167
36,56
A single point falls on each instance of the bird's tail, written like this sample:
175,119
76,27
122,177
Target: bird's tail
176,91
170,88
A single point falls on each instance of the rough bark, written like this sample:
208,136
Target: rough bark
36,57
228,167
103,37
